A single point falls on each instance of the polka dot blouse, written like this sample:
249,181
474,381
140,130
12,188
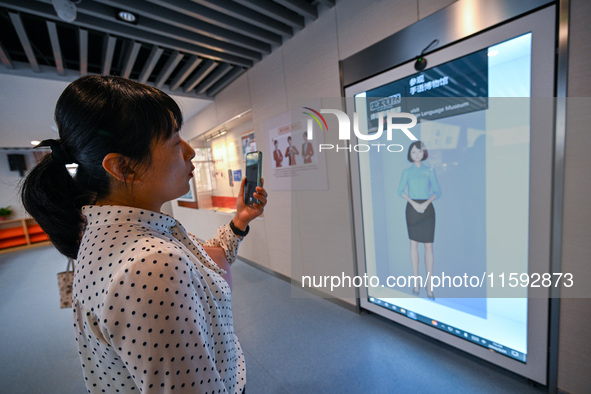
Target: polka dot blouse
151,311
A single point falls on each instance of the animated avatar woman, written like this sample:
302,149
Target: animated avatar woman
422,188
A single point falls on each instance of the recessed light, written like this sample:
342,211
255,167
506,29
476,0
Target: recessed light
35,142
127,16
65,9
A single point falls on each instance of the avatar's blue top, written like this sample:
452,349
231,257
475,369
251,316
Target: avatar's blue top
421,182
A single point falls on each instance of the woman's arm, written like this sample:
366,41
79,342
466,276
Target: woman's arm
402,185
225,240
225,237
413,203
218,255
422,207
435,188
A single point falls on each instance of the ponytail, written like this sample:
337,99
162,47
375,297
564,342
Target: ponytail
54,199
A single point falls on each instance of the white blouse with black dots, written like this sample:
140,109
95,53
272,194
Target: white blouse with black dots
151,310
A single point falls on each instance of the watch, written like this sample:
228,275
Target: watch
237,231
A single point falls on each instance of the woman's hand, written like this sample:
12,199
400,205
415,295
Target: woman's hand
422,207
416,206
246,213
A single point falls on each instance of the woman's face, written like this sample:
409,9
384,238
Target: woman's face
171,169
416,154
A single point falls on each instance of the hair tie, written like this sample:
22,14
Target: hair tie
58,153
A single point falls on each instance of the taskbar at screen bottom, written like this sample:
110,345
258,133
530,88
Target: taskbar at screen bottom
492,345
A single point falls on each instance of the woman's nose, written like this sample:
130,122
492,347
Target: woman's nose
189,151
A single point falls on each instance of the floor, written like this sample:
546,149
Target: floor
292,344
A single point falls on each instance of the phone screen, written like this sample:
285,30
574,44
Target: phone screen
253,176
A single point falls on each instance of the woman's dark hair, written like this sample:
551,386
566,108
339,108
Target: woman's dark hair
419,145
96,115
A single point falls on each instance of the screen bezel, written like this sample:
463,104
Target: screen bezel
257,158
542,26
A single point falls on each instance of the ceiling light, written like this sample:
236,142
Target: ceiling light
219,133
494,52
35,143
127,16
65,9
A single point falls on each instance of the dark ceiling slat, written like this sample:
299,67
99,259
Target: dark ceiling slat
104,11
213,77
189,20
220,38
225,81
83,47
108,52
301,7
24,39
282,14
221,20
5,58
130,58
187,69
246,14
30,6
40,8
155,54
199,75
55,46
152,38
168,68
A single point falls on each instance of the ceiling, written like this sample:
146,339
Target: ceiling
191,49
27,105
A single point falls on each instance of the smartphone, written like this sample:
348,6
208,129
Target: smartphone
254,162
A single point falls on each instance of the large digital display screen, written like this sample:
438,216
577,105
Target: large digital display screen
453,203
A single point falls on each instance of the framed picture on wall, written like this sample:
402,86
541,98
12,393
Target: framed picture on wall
248,143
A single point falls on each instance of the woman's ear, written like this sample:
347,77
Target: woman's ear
119,167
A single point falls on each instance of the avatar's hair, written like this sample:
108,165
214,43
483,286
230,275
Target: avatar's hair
418,145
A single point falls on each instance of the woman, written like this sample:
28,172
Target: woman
277,155
291,152
422,188
151,309
307,149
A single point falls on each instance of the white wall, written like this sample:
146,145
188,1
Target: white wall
10,183
574,358
306,66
